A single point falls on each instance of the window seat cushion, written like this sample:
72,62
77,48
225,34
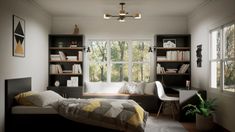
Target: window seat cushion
114,94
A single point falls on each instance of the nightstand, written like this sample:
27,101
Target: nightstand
68,92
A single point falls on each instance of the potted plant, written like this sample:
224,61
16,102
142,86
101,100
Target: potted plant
204,113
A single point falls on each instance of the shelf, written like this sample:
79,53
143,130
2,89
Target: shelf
171,61
65,61
177,48
66,74
59,87
66,48
172,74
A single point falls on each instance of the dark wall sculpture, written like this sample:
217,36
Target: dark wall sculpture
199,55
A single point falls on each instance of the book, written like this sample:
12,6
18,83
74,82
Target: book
59,68
72,58
62,55
80,55
53,69
55,57
183,68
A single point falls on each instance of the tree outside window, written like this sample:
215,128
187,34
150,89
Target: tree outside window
126,60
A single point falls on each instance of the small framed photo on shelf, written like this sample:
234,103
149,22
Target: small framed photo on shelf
169,43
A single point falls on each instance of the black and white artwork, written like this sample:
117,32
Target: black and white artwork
18,36
199,55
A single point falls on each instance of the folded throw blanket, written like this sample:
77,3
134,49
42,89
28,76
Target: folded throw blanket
124,115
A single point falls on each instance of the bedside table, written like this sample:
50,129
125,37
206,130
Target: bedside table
68,92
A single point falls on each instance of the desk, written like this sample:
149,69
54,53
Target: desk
188,97
185,95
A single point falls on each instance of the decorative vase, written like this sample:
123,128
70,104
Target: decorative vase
204,123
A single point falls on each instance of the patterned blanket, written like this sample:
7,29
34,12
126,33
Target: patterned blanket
124,115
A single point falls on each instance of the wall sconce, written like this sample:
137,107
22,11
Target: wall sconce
87,49
151,49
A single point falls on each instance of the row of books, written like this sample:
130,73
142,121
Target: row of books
183,68
175,55
62,56
57,69
160,69
77,69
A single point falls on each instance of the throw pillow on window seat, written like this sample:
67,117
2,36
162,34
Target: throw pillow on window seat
133,88
149,88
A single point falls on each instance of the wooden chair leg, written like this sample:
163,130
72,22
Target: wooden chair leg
172,109
176,106
159,109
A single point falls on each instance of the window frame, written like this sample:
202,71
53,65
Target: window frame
222,58
130,61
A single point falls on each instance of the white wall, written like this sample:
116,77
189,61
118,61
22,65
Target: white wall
98,28
35,62
205,18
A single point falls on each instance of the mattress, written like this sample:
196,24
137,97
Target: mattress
33,110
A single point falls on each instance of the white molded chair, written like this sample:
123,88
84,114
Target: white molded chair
164,98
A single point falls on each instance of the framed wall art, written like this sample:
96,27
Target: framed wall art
169,43
18,36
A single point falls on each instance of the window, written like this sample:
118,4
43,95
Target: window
223,58
119,60
98,61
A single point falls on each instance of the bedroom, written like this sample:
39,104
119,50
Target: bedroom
193,17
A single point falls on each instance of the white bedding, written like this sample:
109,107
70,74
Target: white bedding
33,110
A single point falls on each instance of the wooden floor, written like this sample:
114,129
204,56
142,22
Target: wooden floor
191,127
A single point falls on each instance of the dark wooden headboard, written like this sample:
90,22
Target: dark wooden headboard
14,87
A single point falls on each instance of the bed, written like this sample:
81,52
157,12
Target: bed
31,118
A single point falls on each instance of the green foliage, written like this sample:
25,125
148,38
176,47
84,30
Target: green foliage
205,108
118,61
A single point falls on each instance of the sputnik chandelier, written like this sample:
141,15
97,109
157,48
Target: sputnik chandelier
122,15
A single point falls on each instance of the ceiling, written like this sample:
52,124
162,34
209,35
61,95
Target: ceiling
96,8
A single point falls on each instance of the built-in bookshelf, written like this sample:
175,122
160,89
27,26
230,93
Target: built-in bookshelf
66,63
173,58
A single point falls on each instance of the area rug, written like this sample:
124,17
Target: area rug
163,124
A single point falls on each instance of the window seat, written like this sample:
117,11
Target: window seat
147,98
114,94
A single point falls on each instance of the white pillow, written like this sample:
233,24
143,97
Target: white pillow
103,87
44,98
133,88
149,88
140,88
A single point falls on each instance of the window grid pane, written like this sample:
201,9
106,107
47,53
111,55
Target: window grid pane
141,72
97,72
119,51
98,51
216,44
215,74
119,72
229,42
229,76
140,51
